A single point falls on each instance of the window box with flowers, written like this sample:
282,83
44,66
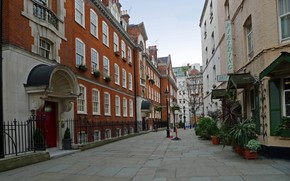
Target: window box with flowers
97,73
107,78
82,67
158,108
283,130
117,53
151,81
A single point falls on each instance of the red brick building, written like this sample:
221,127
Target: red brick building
80,63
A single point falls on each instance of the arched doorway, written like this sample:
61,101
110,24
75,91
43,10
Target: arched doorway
51,90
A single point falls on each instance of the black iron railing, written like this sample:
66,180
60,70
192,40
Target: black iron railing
30,135
24,136
42,12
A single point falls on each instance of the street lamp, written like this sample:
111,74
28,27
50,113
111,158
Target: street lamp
184,117
167,131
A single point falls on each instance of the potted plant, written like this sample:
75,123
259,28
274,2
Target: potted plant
251,150
66,141
241,134
283,129
224,135
158,108
97,73
206,128
39,143
214,132
82,67
107,78
151,81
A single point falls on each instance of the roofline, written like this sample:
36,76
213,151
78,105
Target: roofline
203,12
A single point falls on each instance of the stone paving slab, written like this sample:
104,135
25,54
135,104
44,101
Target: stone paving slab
153,157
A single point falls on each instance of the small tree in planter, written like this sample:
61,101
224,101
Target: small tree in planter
38,140
66,141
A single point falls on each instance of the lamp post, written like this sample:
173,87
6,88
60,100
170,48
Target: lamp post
184,117
167,131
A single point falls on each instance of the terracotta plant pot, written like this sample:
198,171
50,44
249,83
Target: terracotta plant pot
215,140
239,149
250,155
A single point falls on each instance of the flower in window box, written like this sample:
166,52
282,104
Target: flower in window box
82,67
117,53
107,78
151,81
97,73
158,108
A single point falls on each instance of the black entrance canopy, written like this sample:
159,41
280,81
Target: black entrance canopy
238,81
218,93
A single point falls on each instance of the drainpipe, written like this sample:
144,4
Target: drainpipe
1,90
135,91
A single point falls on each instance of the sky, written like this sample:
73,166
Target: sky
172,25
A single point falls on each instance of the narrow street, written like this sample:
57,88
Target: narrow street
153,157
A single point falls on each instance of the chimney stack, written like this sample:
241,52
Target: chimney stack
153,52
125,16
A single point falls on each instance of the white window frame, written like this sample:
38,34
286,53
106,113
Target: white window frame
249,31
105,33
107,104
124,78
80,9
129,55
45,47
282,14
118,132
123,47
116,42
106,67
108,134
82,100
96,102
82,135
125,107
97,132
117,74
94,23
94,60
80,52
131,108
284,97
130,81
117,105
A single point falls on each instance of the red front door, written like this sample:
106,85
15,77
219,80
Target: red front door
50,111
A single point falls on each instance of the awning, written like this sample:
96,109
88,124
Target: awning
145,105
54,80
280,66
237,81
218,93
